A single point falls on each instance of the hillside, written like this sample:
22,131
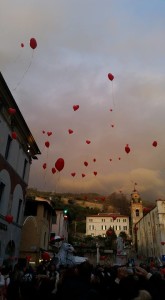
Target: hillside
116,202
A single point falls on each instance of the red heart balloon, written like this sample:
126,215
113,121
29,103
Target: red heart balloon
70,131
44,166
47,144
127,148
59,164
53,170
14,135
88,142
73,174
110,76
49,133
75,107
9,218
12,111
33,43
155,144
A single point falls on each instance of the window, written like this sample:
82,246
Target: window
2,187
19,210
137,212
90,220
8,147
24,168
125,228
103,227
91,227
30,209
103,220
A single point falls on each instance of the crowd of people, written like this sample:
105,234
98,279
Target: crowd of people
82,282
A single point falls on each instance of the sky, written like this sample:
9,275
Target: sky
79,42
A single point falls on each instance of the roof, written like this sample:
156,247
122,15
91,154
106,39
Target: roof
40,200
111,215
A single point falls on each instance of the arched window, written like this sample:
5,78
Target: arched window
137,212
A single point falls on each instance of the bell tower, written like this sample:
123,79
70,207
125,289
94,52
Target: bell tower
136,208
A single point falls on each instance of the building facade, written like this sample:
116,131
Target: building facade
36,229
17,151
100,223
60,225
150,232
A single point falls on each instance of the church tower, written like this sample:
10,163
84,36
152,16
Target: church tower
136,208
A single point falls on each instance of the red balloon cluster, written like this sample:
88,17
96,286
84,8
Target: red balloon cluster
85,163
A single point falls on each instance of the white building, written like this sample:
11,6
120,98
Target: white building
99,224
150,232
17,150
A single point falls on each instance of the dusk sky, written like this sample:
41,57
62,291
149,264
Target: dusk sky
79,42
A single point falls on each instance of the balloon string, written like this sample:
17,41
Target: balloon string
45,178
46,169
113,98
18,84
58,180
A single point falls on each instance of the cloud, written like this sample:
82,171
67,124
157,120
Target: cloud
79,43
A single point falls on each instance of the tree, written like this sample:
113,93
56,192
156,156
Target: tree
110,238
